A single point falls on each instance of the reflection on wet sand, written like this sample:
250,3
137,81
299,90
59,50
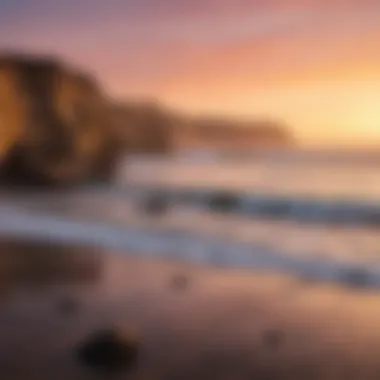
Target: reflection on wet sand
32,264
221,325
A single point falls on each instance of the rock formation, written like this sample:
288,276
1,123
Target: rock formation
148,127
232,134
55,124
144,127
109,350
58,127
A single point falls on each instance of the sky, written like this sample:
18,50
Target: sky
315,64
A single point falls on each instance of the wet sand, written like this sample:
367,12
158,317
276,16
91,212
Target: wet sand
193,322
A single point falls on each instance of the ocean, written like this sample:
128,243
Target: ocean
277,279
315,214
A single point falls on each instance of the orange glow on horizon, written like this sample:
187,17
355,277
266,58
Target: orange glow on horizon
313,64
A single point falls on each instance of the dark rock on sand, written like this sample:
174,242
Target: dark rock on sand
179,282
273,338
224,202
68,305
276,209
156,205
356,277
109,350
57,126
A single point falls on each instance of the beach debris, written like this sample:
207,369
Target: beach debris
109,350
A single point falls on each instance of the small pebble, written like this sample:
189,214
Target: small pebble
224,202
68,305
156,205
179,282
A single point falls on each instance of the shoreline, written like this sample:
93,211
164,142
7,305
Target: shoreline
179,246
219,323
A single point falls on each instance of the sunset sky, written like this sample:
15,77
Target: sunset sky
312,63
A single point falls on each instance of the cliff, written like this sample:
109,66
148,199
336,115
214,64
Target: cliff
55,123
143,127
58,127
150,128
232,134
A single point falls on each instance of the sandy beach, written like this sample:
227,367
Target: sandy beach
193,322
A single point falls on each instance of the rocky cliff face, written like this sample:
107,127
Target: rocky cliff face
144,127
232,134
58,127
149,128
55,124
